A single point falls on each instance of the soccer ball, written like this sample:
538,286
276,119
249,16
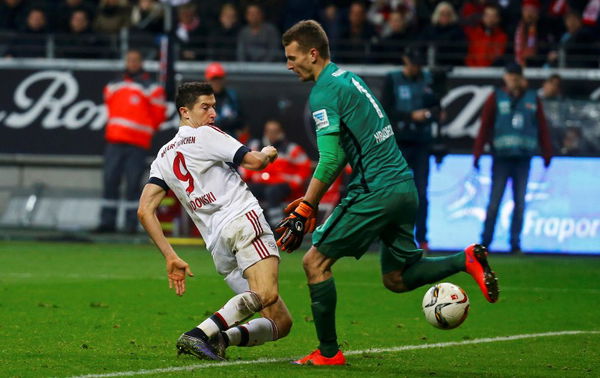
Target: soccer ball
445,305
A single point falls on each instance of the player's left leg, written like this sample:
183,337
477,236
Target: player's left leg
276,321
399,275
323,295
203,340
403,266
258,258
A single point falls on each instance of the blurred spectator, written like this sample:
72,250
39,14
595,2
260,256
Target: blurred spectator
573,143
80,42
578,43
147,17
332,21
136,108
228,108
31,41
223,38
471,13
191,33
551,89
209,11
380,11
413,107
513,122
283,178
112,16
487,41
398,36
258,41
446,35
532,40
65,11
353,46
12,14
272,10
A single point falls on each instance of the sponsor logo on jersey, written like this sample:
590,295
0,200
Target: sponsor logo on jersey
321,120
383,134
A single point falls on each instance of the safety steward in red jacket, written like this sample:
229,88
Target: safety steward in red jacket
136,108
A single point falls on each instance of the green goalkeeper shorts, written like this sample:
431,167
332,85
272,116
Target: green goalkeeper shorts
387,215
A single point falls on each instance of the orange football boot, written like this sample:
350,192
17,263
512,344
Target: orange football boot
316,358
477,266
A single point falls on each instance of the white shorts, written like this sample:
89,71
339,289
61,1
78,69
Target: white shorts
242,243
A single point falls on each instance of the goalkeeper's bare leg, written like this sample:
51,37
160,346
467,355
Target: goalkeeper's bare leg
209,339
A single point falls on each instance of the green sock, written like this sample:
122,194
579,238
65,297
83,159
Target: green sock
432,269
323,300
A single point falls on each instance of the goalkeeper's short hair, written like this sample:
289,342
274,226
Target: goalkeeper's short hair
308,34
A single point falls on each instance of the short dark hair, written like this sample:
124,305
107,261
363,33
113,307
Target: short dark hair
274,120
188,93
308,34
554,77
513,68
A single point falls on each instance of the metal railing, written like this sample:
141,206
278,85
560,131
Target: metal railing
374,51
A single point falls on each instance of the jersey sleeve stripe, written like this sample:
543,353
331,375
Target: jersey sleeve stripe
159,182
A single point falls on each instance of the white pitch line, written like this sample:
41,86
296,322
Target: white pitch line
347,353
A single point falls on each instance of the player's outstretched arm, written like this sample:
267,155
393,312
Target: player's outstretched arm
257,160
177,269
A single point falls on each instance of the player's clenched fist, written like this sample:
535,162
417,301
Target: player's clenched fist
271,152
301,219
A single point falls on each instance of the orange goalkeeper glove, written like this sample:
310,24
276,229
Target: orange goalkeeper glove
311,223
292,228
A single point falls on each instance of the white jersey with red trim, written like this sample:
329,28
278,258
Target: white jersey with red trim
197,166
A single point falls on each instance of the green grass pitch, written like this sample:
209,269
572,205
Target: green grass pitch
79,309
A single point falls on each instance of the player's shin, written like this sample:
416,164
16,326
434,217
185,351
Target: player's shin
432,269
323,301
255,332
234,312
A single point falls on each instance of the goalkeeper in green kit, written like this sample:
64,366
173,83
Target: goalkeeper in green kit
381,202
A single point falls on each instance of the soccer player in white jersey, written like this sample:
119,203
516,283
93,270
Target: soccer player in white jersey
198,166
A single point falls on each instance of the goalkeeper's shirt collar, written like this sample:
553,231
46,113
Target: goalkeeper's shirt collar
327,70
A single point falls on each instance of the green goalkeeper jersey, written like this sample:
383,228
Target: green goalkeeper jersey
341,102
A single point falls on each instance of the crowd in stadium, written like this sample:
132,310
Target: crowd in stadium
475,33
